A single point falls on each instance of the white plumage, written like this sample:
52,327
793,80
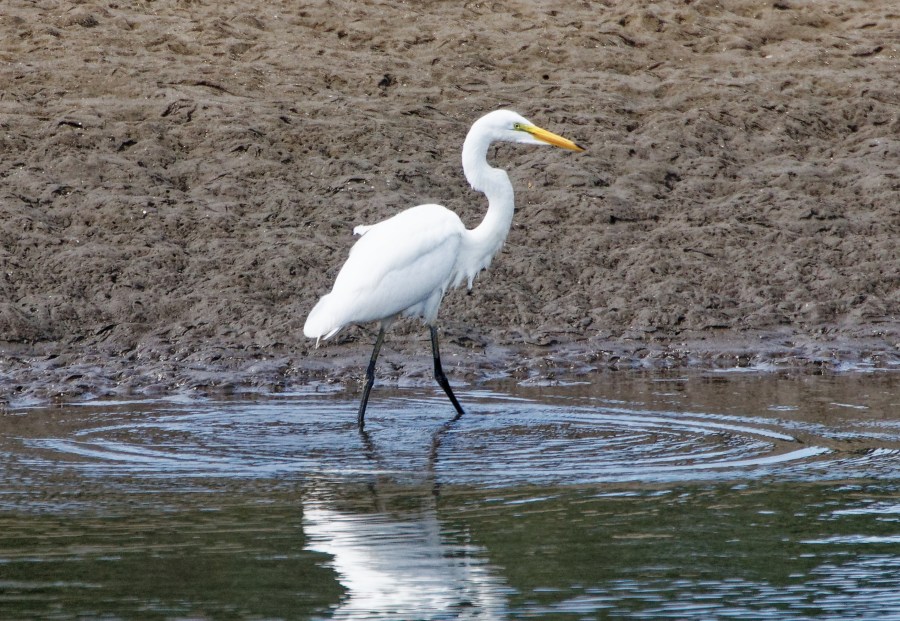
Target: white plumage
383,278
405,264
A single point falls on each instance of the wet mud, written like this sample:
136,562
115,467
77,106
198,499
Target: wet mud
179,182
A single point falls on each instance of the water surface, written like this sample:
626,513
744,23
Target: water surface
718,496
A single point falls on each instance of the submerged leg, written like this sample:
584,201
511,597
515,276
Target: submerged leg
370,379
439,372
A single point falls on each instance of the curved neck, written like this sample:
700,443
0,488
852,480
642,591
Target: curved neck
495,184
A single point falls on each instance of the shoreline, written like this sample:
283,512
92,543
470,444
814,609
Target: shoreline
45,375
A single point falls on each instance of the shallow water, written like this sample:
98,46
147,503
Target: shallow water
699,497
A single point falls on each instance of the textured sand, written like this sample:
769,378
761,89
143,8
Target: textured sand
179,182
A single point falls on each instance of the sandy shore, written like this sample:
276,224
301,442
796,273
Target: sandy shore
180,181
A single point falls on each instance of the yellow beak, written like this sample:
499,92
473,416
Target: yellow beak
551,138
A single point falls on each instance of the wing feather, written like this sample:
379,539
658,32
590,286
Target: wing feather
397,264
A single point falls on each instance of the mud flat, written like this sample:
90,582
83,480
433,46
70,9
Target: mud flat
179,182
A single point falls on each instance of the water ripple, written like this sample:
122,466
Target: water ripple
502,441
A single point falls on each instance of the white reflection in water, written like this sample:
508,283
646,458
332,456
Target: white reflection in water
407,565
873,508
855,539
862,588
401,568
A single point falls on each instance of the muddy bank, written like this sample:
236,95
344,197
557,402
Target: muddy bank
180,181
36,375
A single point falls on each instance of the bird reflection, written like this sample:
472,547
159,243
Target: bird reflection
401,563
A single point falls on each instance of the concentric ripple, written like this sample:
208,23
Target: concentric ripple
502,440
591,501
618,444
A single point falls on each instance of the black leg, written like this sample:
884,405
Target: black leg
439,373
370,379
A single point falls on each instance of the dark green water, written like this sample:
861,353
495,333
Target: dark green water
732,497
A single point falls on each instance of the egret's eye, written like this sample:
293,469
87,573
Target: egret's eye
517,126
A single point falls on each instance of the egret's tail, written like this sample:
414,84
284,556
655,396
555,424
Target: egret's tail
322,322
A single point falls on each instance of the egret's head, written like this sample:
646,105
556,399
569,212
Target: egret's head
509,126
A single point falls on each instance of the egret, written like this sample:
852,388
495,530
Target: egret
404,265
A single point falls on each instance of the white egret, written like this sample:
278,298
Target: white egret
405,264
